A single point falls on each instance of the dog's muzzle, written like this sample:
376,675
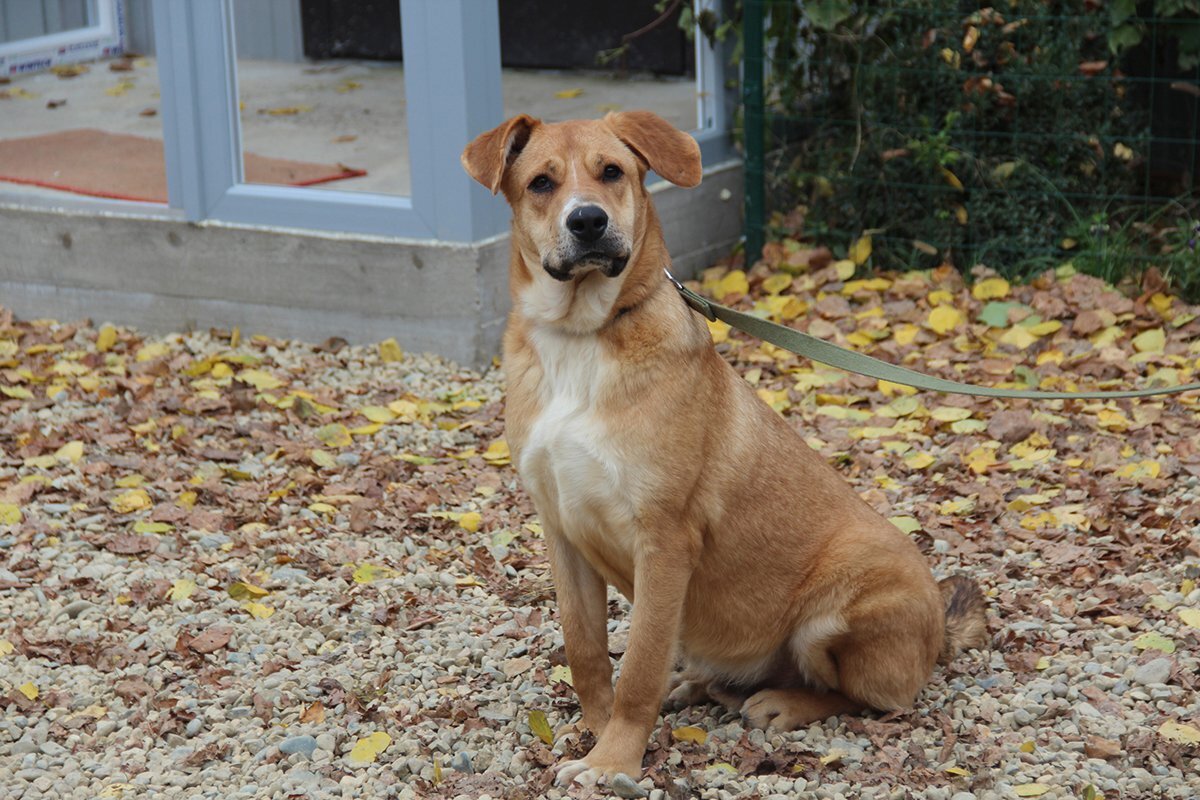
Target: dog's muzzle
609,265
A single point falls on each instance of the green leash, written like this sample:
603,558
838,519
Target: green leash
823,352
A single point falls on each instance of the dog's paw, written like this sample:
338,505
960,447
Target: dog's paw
687,693
777,709
578,772
581,774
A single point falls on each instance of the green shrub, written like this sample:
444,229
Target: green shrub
957,133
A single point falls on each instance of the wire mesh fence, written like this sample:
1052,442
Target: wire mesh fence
1020,135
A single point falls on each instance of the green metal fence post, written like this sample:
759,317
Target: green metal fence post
752,110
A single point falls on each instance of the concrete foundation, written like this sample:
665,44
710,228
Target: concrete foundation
170,275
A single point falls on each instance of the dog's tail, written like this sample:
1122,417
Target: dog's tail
966,616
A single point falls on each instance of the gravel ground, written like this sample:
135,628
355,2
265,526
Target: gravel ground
210,589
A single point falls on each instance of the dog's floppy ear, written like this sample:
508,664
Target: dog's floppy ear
486,158
669,151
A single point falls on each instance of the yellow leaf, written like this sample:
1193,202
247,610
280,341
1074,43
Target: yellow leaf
959,771
181,589
120,88
1190,617
718,330
867,285
285,111
949,413
905,334
130,481
919,460
906,524
1123,151
690,733
470,521
1019,337
106,338
1151,341
568,94
1140,470
1179,732
263,381
980,459
145,526
10,514
963,505
258,610
960,215
1031,789
322,458
498,453
16,392
245,591
366,573
951,178
130,501
561,674
845,269
540,726
860,251
733,283
1112,419
1042,663
990,289
1045,328
322,508
6,647
1028,747
366,750
777,283
1033,522
29,690
334,435
390,351
378,414
944,319
1154,641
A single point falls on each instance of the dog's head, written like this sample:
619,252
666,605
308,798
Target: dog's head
576,188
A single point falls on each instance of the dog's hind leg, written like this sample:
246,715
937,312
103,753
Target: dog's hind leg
880,658
693,689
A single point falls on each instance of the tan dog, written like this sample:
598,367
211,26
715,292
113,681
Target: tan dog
655,468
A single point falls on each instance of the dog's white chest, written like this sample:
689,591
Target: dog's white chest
570,461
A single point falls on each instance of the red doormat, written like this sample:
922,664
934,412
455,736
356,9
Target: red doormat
124,167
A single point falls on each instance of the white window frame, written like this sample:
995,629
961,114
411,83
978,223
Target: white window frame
103,36
452,93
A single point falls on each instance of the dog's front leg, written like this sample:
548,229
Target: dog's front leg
582,597
660,585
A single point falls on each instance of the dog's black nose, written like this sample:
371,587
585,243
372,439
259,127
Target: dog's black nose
587,223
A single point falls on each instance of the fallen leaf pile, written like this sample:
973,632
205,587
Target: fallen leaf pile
215,547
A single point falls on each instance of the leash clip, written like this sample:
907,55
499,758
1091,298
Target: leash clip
694,301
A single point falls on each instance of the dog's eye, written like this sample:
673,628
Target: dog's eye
541,184
612,172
